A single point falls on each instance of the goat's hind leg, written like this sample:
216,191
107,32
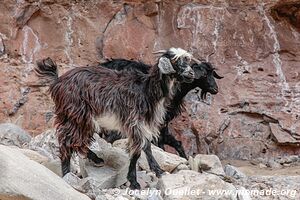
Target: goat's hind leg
154,166
65,157
170,140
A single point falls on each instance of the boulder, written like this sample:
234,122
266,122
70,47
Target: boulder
34,156
167,161
22,178
46,143
188,184
11,134
208,163
113,174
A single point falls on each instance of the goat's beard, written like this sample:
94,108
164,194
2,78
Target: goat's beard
203,94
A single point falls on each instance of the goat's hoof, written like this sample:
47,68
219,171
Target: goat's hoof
159,172
135,186
182,155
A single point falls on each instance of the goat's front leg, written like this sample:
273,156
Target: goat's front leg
154,166
131,176
161,142
170,140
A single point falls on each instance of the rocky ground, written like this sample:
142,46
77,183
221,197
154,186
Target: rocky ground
30,169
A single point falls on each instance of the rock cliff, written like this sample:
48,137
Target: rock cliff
254,44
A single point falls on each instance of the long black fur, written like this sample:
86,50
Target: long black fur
132,99
205,79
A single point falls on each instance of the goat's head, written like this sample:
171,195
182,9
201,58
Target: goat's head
176,61
205,76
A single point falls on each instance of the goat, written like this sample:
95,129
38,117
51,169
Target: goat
204,79
92,99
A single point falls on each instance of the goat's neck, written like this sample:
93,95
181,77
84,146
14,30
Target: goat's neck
163,85
182,91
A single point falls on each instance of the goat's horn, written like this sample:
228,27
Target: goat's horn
159,51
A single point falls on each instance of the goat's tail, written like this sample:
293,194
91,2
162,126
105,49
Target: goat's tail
47,69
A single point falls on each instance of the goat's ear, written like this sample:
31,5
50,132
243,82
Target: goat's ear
165,66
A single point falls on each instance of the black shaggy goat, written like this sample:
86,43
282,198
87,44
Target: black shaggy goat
92,99
204,79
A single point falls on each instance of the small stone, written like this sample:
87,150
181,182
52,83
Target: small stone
254,162
273,164
233,172
182,167
2,47
293,158
286,164
262,166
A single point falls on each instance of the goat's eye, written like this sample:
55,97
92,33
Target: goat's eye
187,59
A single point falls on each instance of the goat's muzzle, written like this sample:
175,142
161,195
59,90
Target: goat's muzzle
214,91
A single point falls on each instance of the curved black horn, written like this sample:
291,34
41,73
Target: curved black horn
217,76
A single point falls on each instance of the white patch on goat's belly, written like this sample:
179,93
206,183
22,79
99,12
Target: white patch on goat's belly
107,121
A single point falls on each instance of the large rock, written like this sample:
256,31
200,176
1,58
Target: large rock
167,161
22,178
35,156
208,163
113,173
11,134
47,145
187,184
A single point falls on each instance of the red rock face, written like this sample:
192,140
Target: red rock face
254,45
